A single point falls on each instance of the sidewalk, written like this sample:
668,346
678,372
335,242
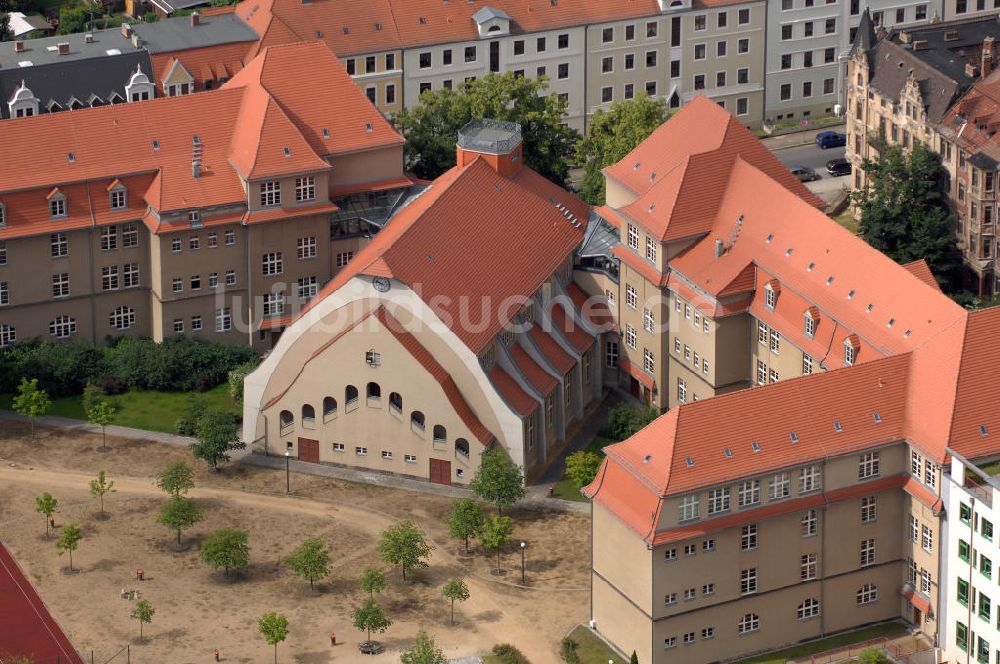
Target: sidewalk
532,501
797,138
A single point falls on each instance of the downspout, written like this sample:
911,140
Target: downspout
90,266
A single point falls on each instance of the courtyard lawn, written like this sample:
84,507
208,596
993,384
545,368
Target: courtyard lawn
848,221
153,411
831,643
591,649
564,488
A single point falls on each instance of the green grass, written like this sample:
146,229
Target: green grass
153,411
565,488
832,643
848,221
591,649
992,469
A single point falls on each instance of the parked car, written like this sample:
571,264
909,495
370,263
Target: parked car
838,167
804,174
830,139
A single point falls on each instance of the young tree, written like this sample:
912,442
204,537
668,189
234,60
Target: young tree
455,590
496,532
369,618
311,560
465,520
46,505
634,659
69,540
432,127
404,544
372,581
625,420
226,548
101,412
274,628
178,514
424,651
905,212
143,612
176,479
612,134
498,480
582,467
216,433
101,486
31,401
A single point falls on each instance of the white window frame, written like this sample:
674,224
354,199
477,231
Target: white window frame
719,500
749,493
270,193
305,188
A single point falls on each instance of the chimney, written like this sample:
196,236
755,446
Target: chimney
63,48
919,44
195,19
19,46
986,62
195,169
126,30
971,70
718,248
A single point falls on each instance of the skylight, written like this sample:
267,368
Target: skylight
728,452
794,437
689,461
647,458
156,144
850,294
288,152
837,426
770,236
877,417
326,133
755,446
983,431
829,280
70,157
788,252
809,268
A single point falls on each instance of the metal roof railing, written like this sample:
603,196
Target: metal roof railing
488,135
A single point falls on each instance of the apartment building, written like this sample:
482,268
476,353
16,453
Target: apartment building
812,503
418,357
213,215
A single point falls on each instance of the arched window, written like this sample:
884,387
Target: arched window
462,447
809,608
350,395
286,419
749,623
122,318
329,407
373,391
867,594
440,434
62,327
396,402
8,335
417,419
308,414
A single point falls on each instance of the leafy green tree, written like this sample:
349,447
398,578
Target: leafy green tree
101,486
217,436
625,421
582,467
143,612
369,618
31,402
431,128
179,514
612,134
905,212
46,505
236,376
176,479
496,532
465,519
424,651
498,480
102,413
226,548
455,589
311,560
68,541
372,581
634,659
404,544
274,628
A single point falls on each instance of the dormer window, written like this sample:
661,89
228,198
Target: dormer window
771,291
850,350
57,204
117,195
811,317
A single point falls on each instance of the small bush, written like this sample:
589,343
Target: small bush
873,656
236,376
112,385
508,654
568,650
187,424
625,420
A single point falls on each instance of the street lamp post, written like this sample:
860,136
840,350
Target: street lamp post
523,545
288,486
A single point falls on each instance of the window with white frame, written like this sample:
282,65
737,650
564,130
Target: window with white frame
307,287
230,238
109,277
130,235
779,486
718,500
361,451
213,279
770,297
3,252
748,581
682,390
688,638
306,248
748,537
274,304
213,240
387,455
748,623
195,323
775,342
808,608
930,474
648,321
58,245
122,318
272,264
926,538
629,336
867,552
850,353
807,567
194,243
178,326
925,581
343,258
773,376
867,594
869,509
808,523
177,285
223,319
4,294
648,361
631,297
670,554
911,571
175,245
8,335
690,549
868,465
109,238
118,199
305,188
807,365
650,249
688,509
677,304
60,284
761,333
3,214
687,311
230,277
57,207
270,193
708,545
633,237
62,327
670,641
611,354
749,493
809,479
761,372
690,594
810,325
708,589
707,633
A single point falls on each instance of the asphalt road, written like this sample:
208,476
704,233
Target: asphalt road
810,156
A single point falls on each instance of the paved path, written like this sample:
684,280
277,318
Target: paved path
113,429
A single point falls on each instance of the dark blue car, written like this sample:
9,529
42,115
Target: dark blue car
830,139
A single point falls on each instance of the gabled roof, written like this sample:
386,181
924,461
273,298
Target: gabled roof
922,271
520,401
539,378
487,13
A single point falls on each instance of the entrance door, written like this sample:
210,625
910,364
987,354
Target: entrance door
308,450
440,471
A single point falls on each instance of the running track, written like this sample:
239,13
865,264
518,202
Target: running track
28,627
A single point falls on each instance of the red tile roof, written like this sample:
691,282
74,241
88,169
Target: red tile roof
637,373
564,323
539,378
522,403
595,309
921,270
553,352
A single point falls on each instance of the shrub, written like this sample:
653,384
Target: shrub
582,467
873,656
625,420
187,424
508,654
236,376
568,650
112,385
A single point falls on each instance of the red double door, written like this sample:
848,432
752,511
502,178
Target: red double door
308,450
440,471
